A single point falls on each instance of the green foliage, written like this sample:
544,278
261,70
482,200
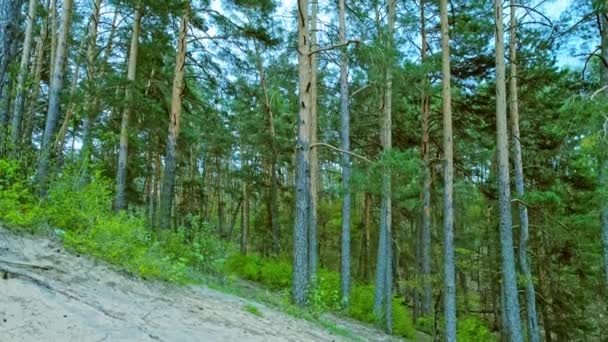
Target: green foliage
17,204
474,330
196,245
75,205
361,304
276,275
81,211
253,310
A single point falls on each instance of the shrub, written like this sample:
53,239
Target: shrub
72,205
197,245
275,274
17,204
326,296
472,329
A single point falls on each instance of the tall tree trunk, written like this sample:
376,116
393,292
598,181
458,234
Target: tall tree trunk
9,10
61,135
53,15
603,158
244,217
92,100
365,237
302,196
384,270
220,198
345,129
123,152
30,118
425,248
533,330
274,186
156,188
502,148
313,244
449,277
20,91
168,186
57,78
544,288
93,110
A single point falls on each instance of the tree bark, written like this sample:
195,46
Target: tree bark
533,330
302,196
365,244
92,100
426,306
345,132
61,135
384,269
313,244
29,119
57,78
502,148
9,27
156,188
20,91
449,277
244,218
274,186
53,18
123,152
168,187
603,157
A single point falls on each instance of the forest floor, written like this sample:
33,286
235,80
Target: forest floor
50,294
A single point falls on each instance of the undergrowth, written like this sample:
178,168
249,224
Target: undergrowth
276,275
80,212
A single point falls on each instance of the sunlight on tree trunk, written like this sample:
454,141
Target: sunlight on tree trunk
168,184
302,200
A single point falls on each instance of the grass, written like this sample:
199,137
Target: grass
278,301
252,309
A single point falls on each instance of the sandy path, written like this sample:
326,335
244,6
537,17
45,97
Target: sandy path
78,299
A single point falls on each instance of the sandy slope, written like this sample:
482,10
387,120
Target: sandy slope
74,298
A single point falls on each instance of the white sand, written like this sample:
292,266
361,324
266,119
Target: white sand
79,299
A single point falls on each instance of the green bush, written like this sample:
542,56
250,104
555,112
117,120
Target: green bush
361,308
72,205
276,275
326,296
17,204
474,330
124,241
197,245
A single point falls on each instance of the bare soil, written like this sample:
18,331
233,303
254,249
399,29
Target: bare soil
49,294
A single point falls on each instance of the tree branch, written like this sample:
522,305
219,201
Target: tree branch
341,151
333,47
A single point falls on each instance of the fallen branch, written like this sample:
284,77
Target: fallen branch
25,264
341,151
